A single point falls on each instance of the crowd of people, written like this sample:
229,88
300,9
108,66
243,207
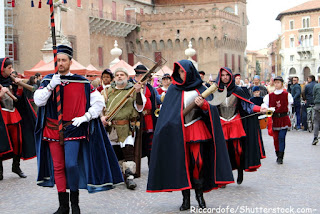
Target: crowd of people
92,137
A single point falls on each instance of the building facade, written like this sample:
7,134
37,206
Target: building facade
152,28
300,40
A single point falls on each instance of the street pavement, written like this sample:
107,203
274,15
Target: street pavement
289,188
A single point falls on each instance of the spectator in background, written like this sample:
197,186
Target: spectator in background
271,86
316,119
256,99
308,97
107,78
246,83
166,82
238,81
202,74
38,78
256,82
296,94
289,84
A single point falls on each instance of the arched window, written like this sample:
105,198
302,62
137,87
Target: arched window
146,45
154,45
200,42
177,43
292,72
194,44
161,45
169,43
310,41
306,41
185,43
229,9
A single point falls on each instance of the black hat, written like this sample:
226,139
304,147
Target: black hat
107,71
235,75
64,49
141,69
166,76
202,72
278,78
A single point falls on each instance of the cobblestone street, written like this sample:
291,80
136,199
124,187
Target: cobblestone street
291,185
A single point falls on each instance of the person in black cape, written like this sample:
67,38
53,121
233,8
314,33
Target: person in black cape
241,130
17,122
188,152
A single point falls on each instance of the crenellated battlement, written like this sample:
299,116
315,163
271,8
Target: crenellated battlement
188,15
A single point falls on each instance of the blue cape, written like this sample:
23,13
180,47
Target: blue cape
168,169
98,164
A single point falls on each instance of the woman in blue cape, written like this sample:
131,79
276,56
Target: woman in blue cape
188,152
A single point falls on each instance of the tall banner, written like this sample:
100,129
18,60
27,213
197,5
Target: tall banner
2,30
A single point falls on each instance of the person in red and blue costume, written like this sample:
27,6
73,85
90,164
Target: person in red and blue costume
241,131
188,152
85,158
17,122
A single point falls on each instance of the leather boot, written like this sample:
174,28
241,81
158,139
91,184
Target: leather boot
240,176
277,153
129,179
16,166
186,200
63,203
1,170
74,198
281,154
198,188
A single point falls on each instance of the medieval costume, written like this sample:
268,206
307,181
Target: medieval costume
188,152
17,121
162,90
242,132
149,119
121,129
281,100
106,76
84,159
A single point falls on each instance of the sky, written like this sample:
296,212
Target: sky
263,27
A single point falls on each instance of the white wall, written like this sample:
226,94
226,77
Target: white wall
2,38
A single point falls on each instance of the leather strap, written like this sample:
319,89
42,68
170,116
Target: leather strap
279,114
120,122
54,126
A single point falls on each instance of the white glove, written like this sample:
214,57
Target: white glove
77,121
54,81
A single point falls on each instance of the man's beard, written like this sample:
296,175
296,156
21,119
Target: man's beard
120,83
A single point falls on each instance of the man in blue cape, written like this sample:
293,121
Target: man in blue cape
188,152
84,159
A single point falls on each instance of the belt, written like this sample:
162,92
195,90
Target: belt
147,112
279,114
120,122
54,126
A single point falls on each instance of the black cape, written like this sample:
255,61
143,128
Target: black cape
27,123
252,143
168,169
